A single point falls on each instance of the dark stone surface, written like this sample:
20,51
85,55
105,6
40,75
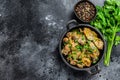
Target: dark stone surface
29,37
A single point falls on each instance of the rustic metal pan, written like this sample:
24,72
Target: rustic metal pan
93,69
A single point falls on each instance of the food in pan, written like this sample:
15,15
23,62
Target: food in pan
81,47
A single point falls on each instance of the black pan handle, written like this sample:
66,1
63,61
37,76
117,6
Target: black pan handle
95,70
71,23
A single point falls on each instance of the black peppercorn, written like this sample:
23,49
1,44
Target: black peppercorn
85,11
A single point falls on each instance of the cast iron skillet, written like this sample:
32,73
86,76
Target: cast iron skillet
93,69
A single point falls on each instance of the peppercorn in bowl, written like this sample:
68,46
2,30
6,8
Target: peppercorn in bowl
85,11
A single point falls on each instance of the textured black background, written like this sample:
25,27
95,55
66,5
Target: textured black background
29,37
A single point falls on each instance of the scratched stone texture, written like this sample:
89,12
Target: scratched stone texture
29,35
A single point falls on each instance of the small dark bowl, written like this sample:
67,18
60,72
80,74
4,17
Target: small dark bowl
76,26
83,1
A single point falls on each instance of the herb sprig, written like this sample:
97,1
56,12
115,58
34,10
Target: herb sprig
108,22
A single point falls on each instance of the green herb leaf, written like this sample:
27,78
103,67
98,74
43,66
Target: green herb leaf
79,47
117,40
